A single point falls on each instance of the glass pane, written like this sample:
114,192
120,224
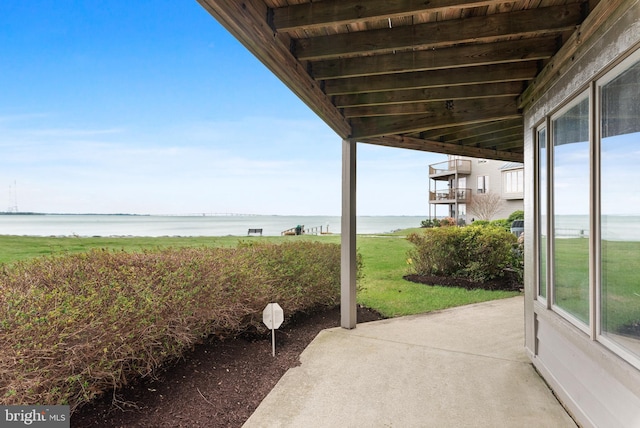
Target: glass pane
542,197
571,210
620,209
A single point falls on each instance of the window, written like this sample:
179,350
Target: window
570,192
513,181
483,184
543,230
588,218
620,206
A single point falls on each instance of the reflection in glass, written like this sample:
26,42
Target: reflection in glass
620,209
571,210
542,198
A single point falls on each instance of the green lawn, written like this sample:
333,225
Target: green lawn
620,280
384,256
620,284
385,262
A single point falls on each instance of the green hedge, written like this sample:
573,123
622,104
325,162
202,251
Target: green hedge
478,253
75,326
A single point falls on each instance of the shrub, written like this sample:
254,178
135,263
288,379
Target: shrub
501,223
478,253
448,221
75,326
516,215
433,251
426,223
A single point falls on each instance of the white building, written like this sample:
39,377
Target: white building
455,182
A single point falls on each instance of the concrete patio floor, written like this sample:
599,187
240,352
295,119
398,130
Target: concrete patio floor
461,367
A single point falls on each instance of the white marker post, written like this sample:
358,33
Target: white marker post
272,317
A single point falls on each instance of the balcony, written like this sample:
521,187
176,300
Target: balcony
450,196
449,168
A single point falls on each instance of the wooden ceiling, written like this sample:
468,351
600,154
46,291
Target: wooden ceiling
446,76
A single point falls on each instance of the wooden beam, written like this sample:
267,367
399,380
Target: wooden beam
494,140
401,109
594,23
434,59
489,90
445,148
246,20
341,12
457,112
510,145
455,133
434,78
490,28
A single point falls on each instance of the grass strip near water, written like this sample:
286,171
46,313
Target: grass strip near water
384,257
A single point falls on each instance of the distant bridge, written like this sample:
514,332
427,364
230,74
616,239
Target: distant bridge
211,215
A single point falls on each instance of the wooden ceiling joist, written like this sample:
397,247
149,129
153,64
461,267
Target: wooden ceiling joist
447,76
460,132
495,73
438,147
343,12
434,59
464,112
492,28
404,109
493,140
442,93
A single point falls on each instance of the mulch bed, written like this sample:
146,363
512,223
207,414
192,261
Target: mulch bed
631,329
217,384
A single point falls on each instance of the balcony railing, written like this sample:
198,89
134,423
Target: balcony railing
448,196
450,167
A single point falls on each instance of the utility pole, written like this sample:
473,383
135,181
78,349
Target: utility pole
14,208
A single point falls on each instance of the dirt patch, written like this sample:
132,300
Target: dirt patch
509,282
217,384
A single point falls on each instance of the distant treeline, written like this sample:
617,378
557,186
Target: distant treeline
32,213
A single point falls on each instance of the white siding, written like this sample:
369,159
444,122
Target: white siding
597,386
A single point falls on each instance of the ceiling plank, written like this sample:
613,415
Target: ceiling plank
455,133
458,112
400,109
429,79
550,20
246,21
445,148
488,90
336,12
502,145
433,59
493,140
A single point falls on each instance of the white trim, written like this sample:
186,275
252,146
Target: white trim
630,356
551,295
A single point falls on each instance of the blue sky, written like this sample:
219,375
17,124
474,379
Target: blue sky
151,107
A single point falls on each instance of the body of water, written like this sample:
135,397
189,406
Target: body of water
614,227
204,225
